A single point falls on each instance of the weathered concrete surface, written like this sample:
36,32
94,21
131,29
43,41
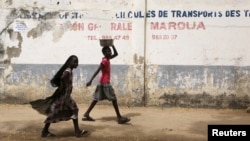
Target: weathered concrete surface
182,86
165,58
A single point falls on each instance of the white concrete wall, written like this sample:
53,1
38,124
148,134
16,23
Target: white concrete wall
219,39
163,50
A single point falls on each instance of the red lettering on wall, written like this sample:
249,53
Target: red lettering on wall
77,26
121,26
177,26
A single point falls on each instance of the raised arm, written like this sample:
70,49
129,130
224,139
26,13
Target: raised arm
115,53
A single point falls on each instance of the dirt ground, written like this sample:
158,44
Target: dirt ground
22,123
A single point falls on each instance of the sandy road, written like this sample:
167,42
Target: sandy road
22,123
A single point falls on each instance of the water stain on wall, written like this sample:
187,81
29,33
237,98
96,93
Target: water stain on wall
205,100
9,2
13,47
138,59
60,30
144,83
2,52
39,30
14,51
10,51
43,26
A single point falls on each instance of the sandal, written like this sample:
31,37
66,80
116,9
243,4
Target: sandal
123,120
81,133
47,134
87,118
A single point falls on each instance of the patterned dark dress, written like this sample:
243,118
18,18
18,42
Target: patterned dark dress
58,107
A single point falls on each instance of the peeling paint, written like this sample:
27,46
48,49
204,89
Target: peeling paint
39,30
2,51
59,31
205,100
162,69
138,59
14,51
9,2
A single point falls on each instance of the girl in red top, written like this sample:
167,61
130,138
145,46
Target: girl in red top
104,90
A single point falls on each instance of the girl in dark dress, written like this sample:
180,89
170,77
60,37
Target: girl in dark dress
60,106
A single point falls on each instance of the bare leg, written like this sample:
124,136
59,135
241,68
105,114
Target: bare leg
78,131
46,127
45,132
75,121
86,114
76,126
116,109
120,119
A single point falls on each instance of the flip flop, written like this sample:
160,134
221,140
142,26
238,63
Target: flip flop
78,135
123,120
47,134
88,118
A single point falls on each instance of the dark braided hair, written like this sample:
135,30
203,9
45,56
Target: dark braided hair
55,81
